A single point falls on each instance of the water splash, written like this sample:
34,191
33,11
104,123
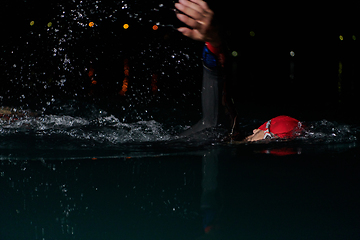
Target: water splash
330,132
161,15
107,129
51,59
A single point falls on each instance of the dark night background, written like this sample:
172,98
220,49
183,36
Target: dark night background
99,165
261,69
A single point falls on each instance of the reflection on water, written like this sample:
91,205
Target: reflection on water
216,193
97,199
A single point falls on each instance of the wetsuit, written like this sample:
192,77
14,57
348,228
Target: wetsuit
213,90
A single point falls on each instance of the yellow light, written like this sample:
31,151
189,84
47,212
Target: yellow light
126,26
341,37
32,23
49,24
91,24
155,27
340,67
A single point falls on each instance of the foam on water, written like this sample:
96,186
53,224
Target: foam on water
327,132
103,129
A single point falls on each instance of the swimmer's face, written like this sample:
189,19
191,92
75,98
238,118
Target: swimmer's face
256,136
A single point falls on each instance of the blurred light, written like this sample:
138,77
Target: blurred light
354,37
154,87
49,24
125,85
126,26
32,23
234,53
208,229
292,53
341,37
340,67
340,80
155,27
91,72
91,24
91,75
252,33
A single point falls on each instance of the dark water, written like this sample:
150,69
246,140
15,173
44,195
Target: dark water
250,196
73,177
96,164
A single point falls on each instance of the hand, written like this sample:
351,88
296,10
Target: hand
200,18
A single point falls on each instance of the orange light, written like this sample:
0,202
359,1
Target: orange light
91,24
93,82
91,72
154,87
126,26
155,27
125,85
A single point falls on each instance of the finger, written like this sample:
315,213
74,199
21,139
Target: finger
192,5
184,30
193,34
178,6
204,6
191,9
188,20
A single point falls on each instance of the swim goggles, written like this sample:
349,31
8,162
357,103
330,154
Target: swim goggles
267,133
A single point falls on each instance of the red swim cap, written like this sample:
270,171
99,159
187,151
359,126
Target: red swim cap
282,126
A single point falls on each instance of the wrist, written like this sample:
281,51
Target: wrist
215,43
215,48
217,52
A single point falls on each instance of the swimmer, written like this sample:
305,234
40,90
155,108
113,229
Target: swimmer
202,26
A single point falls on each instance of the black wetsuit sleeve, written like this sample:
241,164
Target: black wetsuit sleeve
210,94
